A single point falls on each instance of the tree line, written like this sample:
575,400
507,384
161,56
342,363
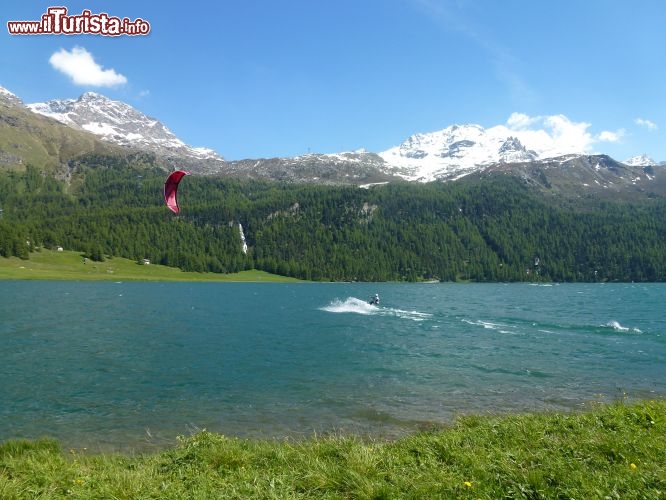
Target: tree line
493,229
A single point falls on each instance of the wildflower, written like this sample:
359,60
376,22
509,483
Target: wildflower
468,484
633,466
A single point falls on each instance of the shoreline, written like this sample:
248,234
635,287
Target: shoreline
69,265
604,450
150,440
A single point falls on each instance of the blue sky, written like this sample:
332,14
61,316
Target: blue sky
263,78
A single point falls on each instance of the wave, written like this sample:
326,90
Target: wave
358,306
489,325
523,326
615,325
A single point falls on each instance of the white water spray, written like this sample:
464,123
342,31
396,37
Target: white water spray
357,306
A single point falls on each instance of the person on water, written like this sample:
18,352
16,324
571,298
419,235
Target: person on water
374,301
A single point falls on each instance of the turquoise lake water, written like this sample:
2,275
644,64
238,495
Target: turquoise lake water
130,366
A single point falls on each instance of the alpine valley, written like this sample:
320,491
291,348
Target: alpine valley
465,203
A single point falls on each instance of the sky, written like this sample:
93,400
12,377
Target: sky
273,78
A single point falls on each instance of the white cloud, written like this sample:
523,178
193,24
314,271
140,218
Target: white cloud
609,136
651,126
520,121
81,67
555,135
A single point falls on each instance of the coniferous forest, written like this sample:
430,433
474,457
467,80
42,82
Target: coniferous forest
494,229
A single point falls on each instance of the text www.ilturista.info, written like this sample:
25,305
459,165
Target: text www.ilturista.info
56,22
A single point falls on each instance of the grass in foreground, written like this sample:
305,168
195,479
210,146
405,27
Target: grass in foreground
614,451
51,265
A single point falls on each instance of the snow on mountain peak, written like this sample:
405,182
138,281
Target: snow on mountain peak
5,92
460,149
513,151
119,123
10,97
90,95
455,151
640,161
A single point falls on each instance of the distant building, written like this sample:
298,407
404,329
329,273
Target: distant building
145,262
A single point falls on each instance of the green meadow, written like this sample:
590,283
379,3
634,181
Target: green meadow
67,265
612,451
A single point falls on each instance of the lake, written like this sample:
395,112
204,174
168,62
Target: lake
130,366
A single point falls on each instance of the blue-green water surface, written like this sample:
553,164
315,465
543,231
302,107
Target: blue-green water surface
133,365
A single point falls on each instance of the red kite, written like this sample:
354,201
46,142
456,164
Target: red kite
171,190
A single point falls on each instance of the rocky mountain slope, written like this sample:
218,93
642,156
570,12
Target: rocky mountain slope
358,167
121,124
585,175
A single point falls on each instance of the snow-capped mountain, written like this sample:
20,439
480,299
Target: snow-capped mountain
120,123
458,150
640,161
9,97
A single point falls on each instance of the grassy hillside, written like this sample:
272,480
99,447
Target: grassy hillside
28,138
53,265
615,451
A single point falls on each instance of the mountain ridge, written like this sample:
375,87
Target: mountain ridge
117,122
445,155
27,138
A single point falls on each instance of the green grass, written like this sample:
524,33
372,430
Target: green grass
32,139
52,265
611,451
